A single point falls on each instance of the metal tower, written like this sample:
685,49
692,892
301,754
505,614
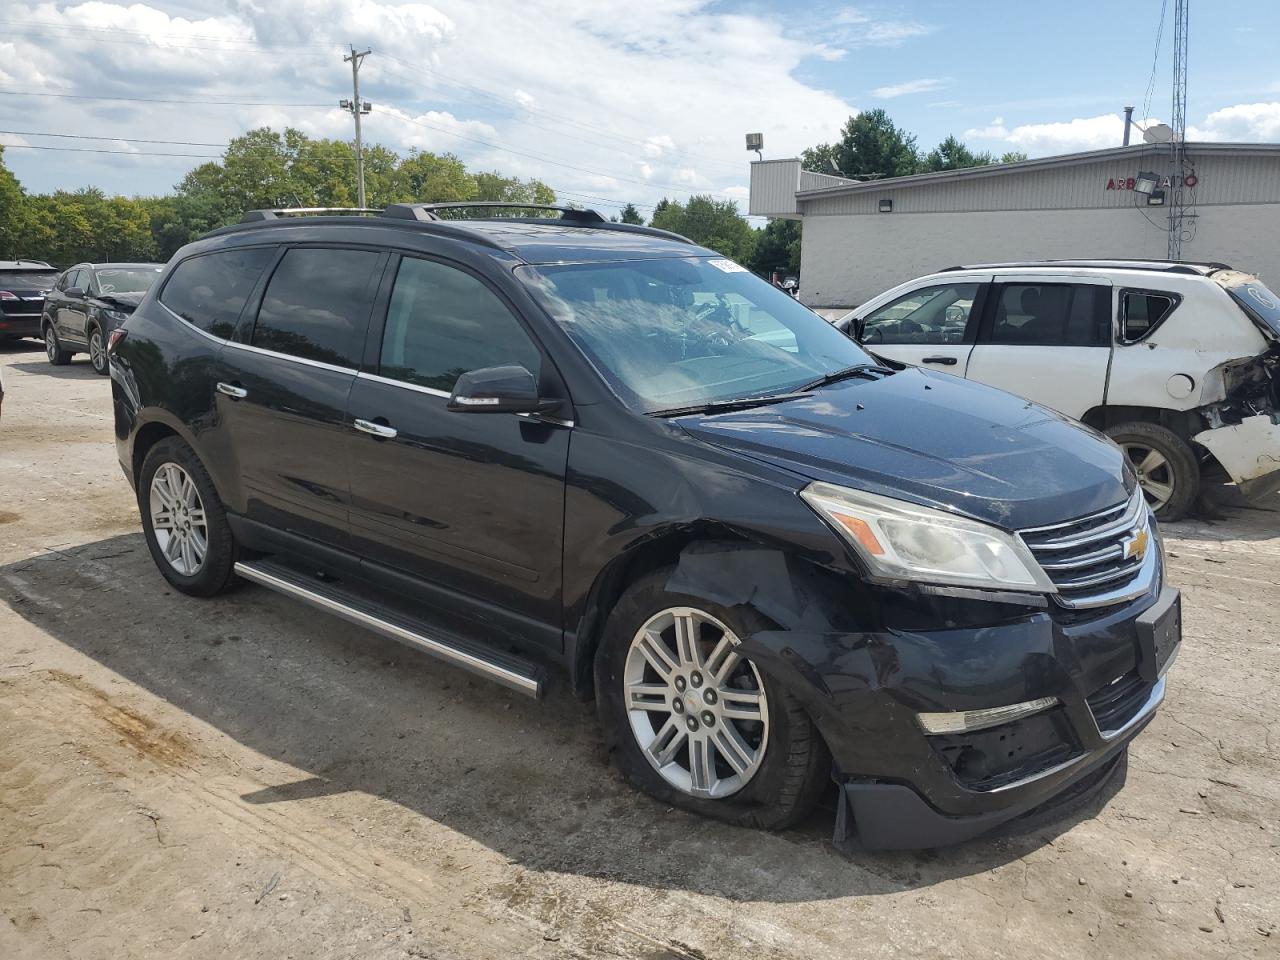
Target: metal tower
1178,167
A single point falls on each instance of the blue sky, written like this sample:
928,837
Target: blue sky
605,100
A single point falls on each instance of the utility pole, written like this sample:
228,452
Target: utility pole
357,108
1177,144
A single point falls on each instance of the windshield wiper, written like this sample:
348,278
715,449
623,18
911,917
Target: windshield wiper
720,406
867,370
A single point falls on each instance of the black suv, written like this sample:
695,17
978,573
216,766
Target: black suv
773,561
89,301
23,285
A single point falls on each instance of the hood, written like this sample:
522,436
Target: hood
126,302
936,440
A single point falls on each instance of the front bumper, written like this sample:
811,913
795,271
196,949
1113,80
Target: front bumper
901,788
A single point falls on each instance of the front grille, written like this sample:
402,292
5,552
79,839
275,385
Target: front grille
1089,559
1119,701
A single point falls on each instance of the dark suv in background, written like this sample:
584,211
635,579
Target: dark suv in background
23,285
517,441
88,302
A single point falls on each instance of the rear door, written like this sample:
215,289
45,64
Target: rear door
283,385
1047,338
931,326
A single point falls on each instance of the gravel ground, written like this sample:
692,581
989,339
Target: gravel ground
246,778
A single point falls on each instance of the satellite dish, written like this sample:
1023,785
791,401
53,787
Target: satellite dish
1158,133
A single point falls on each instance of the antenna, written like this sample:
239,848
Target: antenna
1177,143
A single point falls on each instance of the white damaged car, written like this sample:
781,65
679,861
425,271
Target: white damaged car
1179,363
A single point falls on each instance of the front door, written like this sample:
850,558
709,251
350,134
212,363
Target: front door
69,309
471,503
1047,339
282,387
930,327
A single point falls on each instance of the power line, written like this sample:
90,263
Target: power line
230,103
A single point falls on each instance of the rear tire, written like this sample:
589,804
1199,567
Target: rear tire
184,521
785,760
1167,466
53,348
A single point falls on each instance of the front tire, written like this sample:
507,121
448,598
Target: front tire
184,521
53,348
695,724
98,352
1166,466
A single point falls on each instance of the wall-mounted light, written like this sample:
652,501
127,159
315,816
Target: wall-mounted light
1145,182
755,141
886,205
1155,198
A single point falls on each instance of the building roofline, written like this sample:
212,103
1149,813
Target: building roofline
1021,166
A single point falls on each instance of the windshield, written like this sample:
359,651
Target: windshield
127,280
28,279
682,332
1259,302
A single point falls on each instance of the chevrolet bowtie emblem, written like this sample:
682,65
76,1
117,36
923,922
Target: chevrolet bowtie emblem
1136,545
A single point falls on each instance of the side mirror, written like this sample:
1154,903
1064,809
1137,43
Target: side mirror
75,293
508,389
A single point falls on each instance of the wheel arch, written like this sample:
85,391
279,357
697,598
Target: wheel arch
1185,423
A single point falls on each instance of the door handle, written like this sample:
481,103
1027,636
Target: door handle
380,430
232,391
945,361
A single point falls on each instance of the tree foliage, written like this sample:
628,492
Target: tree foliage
778,248
710,222
631,215
872,146
263,168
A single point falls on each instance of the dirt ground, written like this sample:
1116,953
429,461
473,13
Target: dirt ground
246,778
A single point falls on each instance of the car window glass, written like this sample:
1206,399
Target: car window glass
931,315
75,279
27,279
1050,314
316,305
442,323
209,291
1142,311
125,279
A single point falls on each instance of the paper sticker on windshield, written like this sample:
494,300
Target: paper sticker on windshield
728,266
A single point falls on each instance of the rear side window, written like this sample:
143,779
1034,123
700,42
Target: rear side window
317,305
1141,311
209,291
1052,314
442,323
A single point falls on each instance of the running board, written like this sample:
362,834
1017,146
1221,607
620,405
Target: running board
510,671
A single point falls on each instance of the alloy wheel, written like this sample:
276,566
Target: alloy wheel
1155,475
178,519
51,344
697,708
97,351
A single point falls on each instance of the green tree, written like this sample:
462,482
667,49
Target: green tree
1013,156
429,178
951,154
631,215
869,145
12,212
710,222
777,248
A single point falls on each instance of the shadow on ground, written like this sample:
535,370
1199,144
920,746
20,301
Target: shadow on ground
356,713
77,369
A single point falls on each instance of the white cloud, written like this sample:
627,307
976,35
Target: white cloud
855,27
1082,133
737,192
1244,122
907,87
597,79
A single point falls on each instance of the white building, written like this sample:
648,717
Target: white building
861,238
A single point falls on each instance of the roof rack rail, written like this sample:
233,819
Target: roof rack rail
252,216
1154,265
430,211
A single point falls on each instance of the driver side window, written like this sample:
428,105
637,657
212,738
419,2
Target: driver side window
930,315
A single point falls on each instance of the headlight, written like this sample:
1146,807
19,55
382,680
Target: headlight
119,316
904,541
